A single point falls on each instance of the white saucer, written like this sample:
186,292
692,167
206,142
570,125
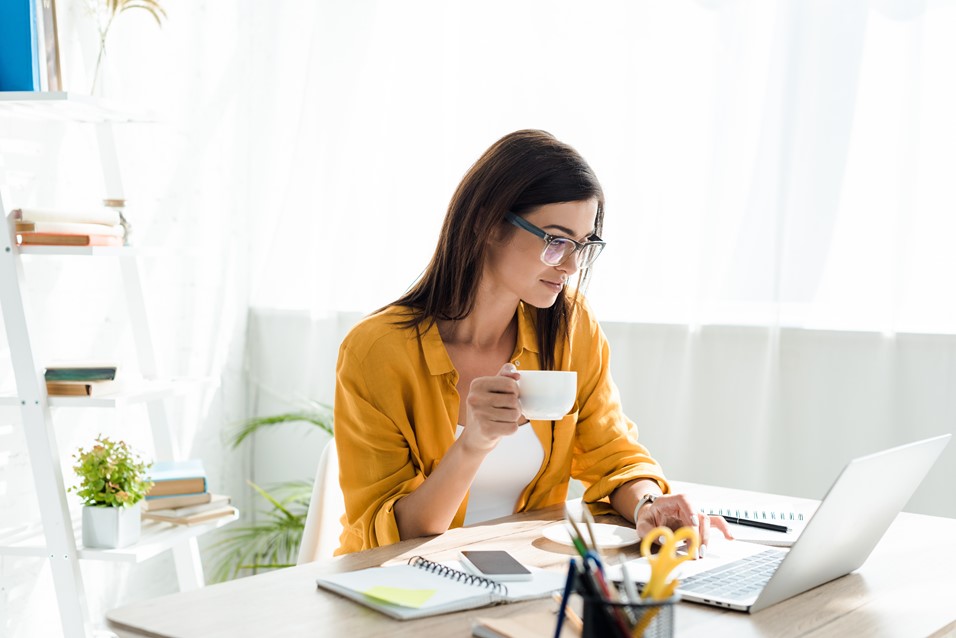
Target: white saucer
608,536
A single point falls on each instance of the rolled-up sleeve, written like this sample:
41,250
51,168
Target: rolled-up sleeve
607,453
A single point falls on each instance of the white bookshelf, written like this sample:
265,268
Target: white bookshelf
155,538
58,536
85,251
67,107
137,392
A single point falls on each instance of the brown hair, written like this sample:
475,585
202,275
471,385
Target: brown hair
520,172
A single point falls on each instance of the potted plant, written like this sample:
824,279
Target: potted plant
112,484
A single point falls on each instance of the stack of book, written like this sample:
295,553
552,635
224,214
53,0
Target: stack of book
68,228
179,495
80,380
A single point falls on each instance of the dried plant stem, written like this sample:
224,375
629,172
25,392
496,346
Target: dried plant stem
113,8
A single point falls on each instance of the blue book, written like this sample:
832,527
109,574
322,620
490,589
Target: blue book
19,50
80,373
176,478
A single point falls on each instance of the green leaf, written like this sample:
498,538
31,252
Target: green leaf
271,499
271,543
110,473
315,413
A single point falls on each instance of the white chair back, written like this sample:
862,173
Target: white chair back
323,523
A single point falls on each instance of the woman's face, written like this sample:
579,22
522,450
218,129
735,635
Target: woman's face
515,265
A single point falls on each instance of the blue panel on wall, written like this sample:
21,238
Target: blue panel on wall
19,57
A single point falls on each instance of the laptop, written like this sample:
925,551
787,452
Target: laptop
853,516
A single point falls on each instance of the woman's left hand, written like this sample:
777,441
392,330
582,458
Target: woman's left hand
676,511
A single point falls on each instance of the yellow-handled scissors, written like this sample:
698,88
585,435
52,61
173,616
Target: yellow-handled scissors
666,559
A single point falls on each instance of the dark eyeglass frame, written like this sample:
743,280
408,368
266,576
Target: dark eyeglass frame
578,251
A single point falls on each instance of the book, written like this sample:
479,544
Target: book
424,588
103,216
20,61
57,239
176,477
190,519
794,518
161,507
69,228
175,501
81,388
177,486
48,46
79,373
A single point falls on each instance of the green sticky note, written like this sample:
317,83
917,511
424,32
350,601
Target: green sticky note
399,596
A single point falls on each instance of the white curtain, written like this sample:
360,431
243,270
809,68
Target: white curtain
779,219
765,163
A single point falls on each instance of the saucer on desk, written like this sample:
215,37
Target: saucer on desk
608,536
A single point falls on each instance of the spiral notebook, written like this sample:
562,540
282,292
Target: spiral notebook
425,588
794,518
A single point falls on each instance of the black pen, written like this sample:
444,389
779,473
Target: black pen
749,523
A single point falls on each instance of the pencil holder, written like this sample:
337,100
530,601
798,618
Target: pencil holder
604,618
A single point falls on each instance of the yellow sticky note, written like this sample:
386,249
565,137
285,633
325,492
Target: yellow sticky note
398,596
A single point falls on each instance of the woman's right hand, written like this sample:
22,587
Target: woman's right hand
492,410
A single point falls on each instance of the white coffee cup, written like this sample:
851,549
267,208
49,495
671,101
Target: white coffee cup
547,395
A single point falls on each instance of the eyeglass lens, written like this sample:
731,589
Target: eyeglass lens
559,249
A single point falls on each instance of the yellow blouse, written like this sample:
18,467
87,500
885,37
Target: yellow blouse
396,410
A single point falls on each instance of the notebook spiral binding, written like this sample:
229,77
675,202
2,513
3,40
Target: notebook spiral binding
754,514
465,577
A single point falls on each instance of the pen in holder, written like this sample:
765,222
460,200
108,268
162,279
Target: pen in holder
604,618
609,612
652,618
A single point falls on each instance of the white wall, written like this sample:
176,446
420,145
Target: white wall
733,407
721,405
291,360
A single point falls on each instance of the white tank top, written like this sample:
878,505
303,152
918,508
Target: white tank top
503,475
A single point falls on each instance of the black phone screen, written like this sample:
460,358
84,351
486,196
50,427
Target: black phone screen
495,562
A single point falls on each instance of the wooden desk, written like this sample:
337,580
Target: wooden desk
906,588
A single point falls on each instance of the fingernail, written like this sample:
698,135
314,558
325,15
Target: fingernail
694,520
703,550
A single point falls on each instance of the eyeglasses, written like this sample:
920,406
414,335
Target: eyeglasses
558,249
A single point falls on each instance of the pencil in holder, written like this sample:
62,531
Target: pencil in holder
650,619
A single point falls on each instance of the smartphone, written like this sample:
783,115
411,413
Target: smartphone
494,564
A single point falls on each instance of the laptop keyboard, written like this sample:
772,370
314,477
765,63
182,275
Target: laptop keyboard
740,579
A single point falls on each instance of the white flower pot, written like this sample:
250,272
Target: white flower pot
110,527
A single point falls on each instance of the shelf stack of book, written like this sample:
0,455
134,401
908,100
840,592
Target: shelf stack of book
81,380
36,227
180,496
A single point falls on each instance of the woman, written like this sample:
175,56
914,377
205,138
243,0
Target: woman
428,426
